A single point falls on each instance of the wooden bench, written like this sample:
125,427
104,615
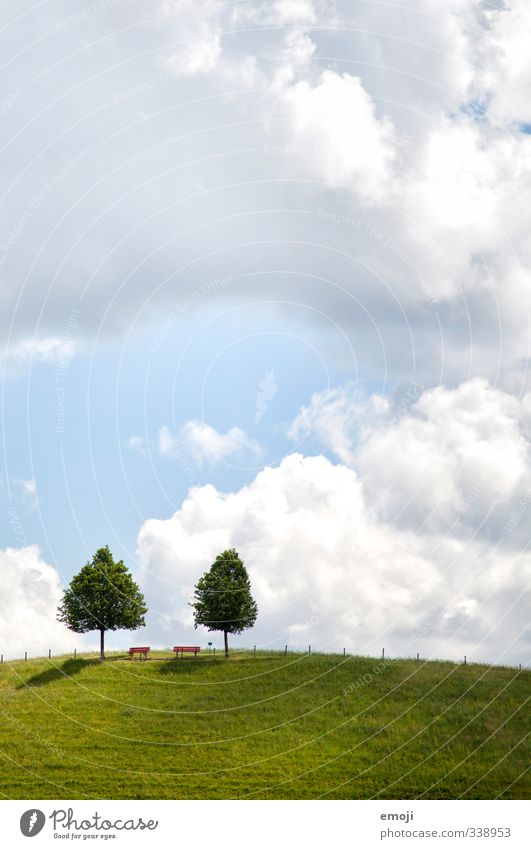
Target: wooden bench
186,650
139,650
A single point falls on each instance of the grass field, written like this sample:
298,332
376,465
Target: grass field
262,727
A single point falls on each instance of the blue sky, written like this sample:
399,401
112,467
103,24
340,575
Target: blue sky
69,426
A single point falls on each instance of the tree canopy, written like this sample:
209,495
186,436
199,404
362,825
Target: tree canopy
222,598
102,597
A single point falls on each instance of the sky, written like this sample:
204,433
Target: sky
265,283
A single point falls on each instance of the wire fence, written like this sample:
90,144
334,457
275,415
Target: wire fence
213,652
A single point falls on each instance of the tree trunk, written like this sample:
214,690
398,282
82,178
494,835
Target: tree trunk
226,644
102,643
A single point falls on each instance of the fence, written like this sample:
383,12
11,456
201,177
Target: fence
211,650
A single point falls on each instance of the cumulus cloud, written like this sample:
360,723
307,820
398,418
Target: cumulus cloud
351,145
465,192
204,443
31,591
419,537
326,570
402,107
199,34
506,76
405,128
455,461
199,56
336,417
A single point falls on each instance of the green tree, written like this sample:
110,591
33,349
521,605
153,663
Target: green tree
102,597
222,598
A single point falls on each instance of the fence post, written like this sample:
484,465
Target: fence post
2,659
25,655
49,654
465,660
254,652
309,649
383,654
214,650
285,651
344,652
75,653
417,655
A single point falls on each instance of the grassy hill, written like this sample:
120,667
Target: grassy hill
262,727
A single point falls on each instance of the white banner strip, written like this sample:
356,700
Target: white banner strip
232,824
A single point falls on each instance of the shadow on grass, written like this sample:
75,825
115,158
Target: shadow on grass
187,665
57,673
190,665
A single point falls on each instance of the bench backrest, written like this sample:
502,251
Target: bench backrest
187,648
139,648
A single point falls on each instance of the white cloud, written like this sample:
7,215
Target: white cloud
200,56
198,31
506,63
460,456
278,13
454,461
465,197
296,56
325,570
28,490
334,416
205,444
353,147
31,592
138,444
390,106
51,350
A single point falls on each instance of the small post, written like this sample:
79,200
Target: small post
49,654
417,655
383,654
75,653
285,651
254,652
344,652
309,649
25,655
2,659
214,650
465,660
519,665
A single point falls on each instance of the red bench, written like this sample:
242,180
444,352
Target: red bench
139,650
186,649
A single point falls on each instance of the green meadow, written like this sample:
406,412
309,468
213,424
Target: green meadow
268,726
